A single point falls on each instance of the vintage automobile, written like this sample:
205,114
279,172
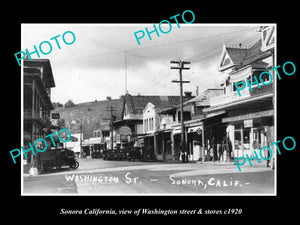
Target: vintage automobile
109,154
55,159
120,154
97,154
134,153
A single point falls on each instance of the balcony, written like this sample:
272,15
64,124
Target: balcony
229,97
29,114
245,93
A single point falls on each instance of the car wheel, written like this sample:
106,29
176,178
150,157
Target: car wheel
48,167
74,164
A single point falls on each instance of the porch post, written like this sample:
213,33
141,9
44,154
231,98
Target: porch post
155,145
172,146
203,144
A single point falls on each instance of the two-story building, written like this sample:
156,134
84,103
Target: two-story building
193,117
37,84
156,135
249,118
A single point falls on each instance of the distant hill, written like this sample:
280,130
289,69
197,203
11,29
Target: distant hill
92,115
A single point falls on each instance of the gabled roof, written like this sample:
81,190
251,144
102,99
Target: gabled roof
253,52
136,104
241,56
236,54
203,98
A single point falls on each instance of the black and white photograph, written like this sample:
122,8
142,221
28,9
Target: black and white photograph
171,108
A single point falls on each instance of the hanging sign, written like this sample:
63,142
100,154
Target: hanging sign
248,123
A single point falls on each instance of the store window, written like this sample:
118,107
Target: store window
246,137
240,85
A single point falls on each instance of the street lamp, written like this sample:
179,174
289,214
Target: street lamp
75,122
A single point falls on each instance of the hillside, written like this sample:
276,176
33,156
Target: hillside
92,115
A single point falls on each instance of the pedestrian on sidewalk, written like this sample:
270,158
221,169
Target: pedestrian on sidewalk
221,150
214,149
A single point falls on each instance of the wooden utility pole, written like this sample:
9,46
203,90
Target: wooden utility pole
181,67
110,108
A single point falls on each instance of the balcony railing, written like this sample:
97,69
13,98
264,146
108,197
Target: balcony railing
245,93
229,97
29,114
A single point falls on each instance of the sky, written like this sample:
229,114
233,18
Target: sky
96,64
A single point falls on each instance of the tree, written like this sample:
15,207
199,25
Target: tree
69,104
57,105
61,123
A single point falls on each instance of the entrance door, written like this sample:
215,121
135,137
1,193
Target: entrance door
238,143
257,137
246,141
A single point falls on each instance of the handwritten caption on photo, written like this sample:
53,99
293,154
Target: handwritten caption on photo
129,178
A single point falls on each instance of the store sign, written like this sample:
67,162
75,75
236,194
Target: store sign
55,116
249,116
124,130
248,123
124,137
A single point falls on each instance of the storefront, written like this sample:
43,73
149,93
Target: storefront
250,131
163,145
214,134
193,140
147,142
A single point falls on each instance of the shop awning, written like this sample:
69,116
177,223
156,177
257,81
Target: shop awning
55,138
213,114
91,141
248,116
176,131
194,129
140,136
241,75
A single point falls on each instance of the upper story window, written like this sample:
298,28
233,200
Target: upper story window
239,85
264,77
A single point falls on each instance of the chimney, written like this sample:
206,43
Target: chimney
187,94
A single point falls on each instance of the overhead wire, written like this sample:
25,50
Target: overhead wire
207,51
152,46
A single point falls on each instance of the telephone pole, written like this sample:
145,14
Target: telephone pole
111,110
180,67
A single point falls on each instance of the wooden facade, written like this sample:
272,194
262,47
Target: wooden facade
37,83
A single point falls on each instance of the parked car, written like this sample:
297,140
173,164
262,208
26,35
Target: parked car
97,154
120,154
54,159
134,153
109,154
